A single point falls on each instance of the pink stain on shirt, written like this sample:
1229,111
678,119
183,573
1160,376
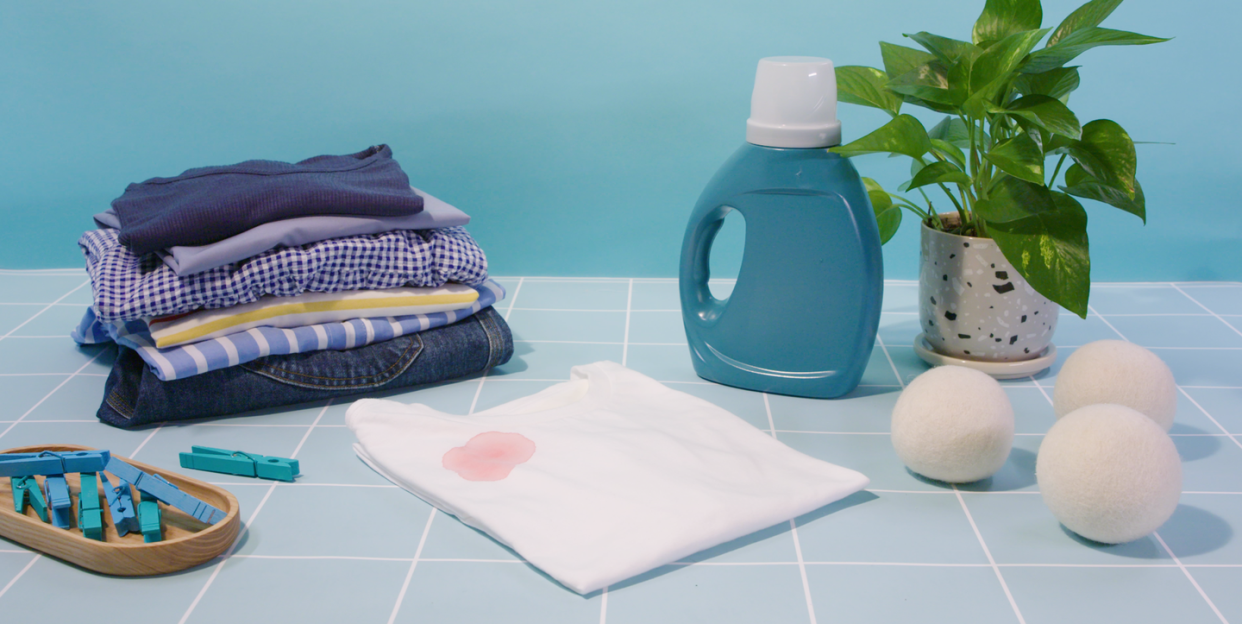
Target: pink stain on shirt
489,456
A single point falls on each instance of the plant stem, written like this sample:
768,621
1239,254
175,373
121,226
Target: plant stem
1053,180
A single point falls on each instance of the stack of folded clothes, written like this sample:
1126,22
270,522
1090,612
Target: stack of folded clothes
264,284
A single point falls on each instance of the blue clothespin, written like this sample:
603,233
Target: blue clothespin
56,489
52,463
90,515
164,491
149,518
121,505
240,463
27,489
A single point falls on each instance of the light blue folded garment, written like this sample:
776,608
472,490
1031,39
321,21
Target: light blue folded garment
197,358
294,232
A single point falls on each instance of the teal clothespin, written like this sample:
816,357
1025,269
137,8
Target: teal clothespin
120,504
51,462
149,518
57,492
240,463
90,514
165,492
27,489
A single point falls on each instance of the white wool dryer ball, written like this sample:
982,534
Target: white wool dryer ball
1123,373
1109,473
953,424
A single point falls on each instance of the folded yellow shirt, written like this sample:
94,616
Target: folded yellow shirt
308,309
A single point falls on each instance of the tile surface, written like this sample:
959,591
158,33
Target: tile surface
343,544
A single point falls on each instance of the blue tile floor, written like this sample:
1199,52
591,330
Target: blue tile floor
344,545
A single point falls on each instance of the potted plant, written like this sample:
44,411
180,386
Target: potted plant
994,269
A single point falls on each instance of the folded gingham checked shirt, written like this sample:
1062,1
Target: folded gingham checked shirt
130,287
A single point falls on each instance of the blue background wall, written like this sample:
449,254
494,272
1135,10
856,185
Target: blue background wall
577,134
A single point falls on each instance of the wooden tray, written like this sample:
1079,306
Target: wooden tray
187,542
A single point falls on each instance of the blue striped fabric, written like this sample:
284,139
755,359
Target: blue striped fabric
187,360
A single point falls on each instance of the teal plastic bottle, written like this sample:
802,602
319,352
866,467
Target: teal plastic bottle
803,316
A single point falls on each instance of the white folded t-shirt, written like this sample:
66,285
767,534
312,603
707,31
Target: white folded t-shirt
601,478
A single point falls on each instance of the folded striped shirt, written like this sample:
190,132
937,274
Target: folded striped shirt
188,360
128,287
308,309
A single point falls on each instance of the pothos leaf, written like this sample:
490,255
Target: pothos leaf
941,172
900,59
887,215
1011,199
1106,152
1079,41
903,135
1019,156
1044,111
1050,250
1054,83
946,49
866,86
1079,182
1002,18
1089,14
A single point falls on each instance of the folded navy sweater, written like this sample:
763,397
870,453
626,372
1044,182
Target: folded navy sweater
209,204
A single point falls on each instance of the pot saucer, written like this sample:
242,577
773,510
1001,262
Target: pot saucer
998,370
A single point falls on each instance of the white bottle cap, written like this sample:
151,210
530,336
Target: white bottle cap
794,103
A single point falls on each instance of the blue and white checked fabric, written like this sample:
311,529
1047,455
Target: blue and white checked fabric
195,359
129,287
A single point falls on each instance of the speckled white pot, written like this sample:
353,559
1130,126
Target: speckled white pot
974,305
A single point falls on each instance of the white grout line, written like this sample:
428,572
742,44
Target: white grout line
54,272
237,424
1042,390
610,310
1110,325
1127,315
409,575
767,407
806,583
41,337
49,395
249,522
225,557
45,309
14,580
483,378
1209,416
51,374
146,439
687,564
625,349
603,606
1177,561
793,527
1000,577
1209,311
18,303
884,348
311,428
513,301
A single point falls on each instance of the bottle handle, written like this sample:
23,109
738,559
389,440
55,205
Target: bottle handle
697,301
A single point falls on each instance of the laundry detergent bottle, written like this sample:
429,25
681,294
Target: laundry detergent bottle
802,318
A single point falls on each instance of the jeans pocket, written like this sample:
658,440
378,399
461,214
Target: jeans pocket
356,369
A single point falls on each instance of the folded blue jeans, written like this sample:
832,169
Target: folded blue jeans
134,396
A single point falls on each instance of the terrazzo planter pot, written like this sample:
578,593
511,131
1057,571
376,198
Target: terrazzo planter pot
973,305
